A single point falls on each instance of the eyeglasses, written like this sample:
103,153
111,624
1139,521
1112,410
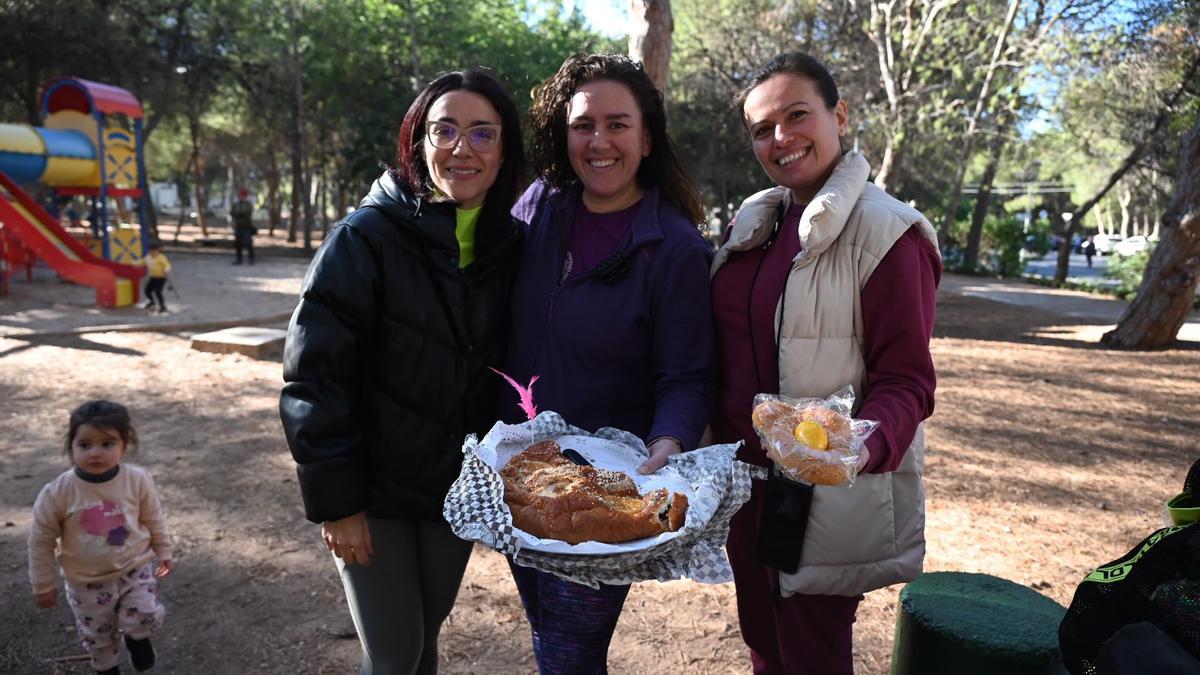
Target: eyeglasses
444,135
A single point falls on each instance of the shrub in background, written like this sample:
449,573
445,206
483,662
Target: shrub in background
1003,239
1127,270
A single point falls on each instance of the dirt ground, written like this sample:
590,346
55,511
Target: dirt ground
1046,457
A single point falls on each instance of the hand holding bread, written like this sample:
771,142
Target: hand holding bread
813,440
660,450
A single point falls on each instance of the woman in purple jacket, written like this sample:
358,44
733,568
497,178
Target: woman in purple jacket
611,305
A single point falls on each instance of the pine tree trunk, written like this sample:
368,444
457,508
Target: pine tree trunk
982,200
297,132
650,38
1168,289
274,206
297,192
151,217
889,169
1124,197
197,174
323,190
309,198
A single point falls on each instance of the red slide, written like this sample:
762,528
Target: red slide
23,218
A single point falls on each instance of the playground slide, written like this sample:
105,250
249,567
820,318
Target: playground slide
116,284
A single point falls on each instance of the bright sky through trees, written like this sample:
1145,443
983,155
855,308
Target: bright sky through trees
606,16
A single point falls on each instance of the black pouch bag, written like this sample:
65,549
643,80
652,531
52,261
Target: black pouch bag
783,523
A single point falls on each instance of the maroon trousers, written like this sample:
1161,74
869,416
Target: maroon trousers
796,635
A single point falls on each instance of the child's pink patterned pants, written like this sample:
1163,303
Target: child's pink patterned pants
105,610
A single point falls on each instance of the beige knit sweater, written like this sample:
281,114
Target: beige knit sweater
103,530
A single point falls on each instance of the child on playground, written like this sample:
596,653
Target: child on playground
157,266
106,520
73,216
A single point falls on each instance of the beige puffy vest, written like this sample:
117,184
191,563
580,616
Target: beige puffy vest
872,534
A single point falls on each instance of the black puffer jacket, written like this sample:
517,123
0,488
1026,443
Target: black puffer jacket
385,366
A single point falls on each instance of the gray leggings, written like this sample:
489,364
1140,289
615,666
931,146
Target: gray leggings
400,600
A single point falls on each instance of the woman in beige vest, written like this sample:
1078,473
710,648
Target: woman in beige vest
823,281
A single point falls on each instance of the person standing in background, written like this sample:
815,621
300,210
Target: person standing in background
242,213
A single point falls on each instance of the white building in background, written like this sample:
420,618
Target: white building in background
166,200
165,196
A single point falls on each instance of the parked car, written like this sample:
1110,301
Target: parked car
1105,243
1131,245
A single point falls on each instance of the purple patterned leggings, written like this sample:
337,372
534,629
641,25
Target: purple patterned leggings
105,610
571,624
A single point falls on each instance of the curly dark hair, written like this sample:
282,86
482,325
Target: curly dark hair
102,415
548,149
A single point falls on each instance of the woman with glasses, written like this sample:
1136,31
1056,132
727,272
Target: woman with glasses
403,308
610,307
823,281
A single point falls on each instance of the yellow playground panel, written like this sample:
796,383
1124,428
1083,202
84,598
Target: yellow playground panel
125,292
124,245
120,154
120,158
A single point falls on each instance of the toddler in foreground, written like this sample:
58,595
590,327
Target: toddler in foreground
105,517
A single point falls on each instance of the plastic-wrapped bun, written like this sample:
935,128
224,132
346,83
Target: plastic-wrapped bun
813,440
770,412
836,425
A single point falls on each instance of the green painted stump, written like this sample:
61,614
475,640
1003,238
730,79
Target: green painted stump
951,623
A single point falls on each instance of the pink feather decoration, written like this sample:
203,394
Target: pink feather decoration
525,393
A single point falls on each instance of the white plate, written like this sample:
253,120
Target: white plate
603,454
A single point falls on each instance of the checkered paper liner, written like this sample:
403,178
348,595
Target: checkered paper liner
720,484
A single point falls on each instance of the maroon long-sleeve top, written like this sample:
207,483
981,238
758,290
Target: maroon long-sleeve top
898,304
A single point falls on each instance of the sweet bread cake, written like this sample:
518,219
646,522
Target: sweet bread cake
553,498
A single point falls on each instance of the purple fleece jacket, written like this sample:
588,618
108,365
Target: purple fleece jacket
628,344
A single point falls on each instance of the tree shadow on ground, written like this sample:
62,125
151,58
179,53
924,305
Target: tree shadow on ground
66,342
959,317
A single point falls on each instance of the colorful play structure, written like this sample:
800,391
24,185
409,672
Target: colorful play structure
90,145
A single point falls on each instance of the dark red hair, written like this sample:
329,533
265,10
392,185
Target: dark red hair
410,168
